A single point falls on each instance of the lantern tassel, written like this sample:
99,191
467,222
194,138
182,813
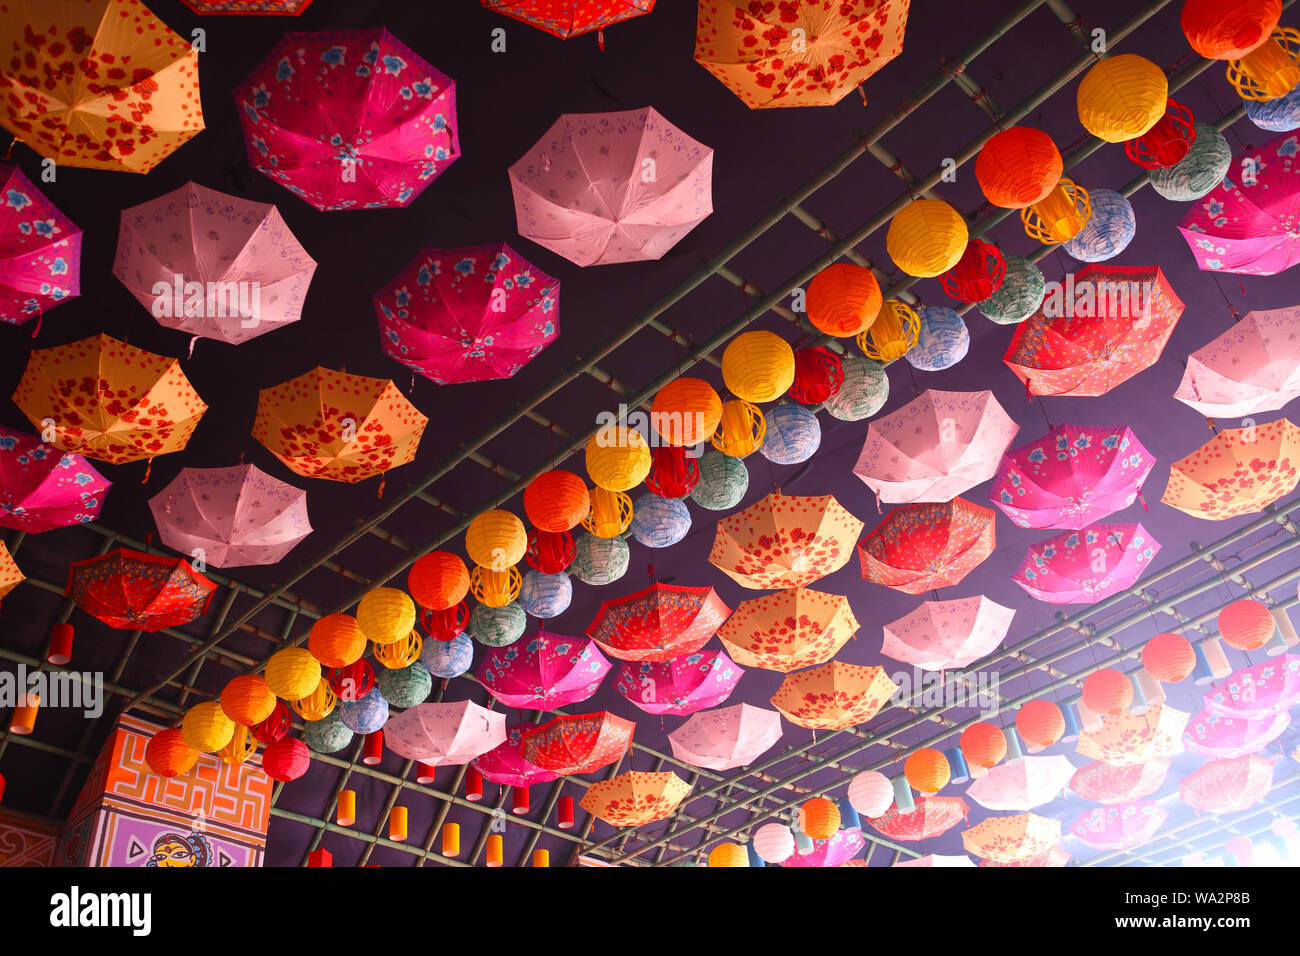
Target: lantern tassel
40,314
600,39
1143,501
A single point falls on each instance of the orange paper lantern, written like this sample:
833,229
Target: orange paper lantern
686,411
439,579
1018,167
1107,692
843,300
819,818
1040,723
1169,658
247,700
610,513
728,854
168,755
983,744
741,429
556,501
927,770
1246,625
1226,30
336,640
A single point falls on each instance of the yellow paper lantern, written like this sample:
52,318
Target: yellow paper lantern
618,458
317,705
741,429
336,640
247,700
1270,71
728,854
686,411
843,300
206,727
926,238
242,746
1061,216
495,588
1122,97
401,653
758,366
610,513
892,334
386,615
292,673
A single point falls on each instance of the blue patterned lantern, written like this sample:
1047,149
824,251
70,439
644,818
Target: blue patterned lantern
497,626
660,522
1108,231
1020,295
1277,116
448,659
600,561
366,715
723,481
1196,175
405,686
942,341
864,391
793,434
545,595
328,735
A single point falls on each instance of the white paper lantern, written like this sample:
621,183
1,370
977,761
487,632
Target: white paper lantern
871,794
774,843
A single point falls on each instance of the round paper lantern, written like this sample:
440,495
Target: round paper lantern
864,392
497,626
926,238
550,551
843,300
1061,216
610,514
495,540
660,522
983,744
369,713
817,375
336,640
673,473
1169,658
247,700
927,770
1220,30
317,705
449,660
977,274
1121,97
728,854
1018,167
1109,229
287,759
556,500
600,561
206,727
292,673
1200,171
403,653
1277,116
686,411
495,588
168,755
723,481
1040,723
774,843
819,818
1246,625
546,595
386,615
1107,691
758,366
406,686
439,580
871,794
942,341
793,434
741,430
618,458
275,726
328,735
892,334
1019,297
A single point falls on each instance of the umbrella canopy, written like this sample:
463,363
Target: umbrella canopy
931,817
784,541
936,860
468,314
42,489
843,846
1128,739
1013,838
726,738
287,8
565,19
328,424
1270,687
1082,567
108,400
943,634
10,576
544,672
70,96
658,623
1120,827
439,734
134,591
1253,367
805,53
505,765
1072,476
1239,471
680,686
1108,324
834,696
1228,786
634,798
935,447
349,119
919,548
40,249
1023,783
789,629
1056,856
234,517
1213,734
580,743
1103,783
213,265
612,187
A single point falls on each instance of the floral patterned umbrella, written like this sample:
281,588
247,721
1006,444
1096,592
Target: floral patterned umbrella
789,629
287,8
580,743
1127,739
505,765
634,798
931,817
943,634
1253,367
843,846
726,738
936,860
1022,783
1072,476
1213,734
570,18
11,577
919,548
658,623
1228,786
1082,567
935,447
40,248
1238,472
468,314
1013,838
1104,783
42,489
784,541
834,696
134,591
1119,827
440,734
544,672
1270,687
1056,856
349,119
680,686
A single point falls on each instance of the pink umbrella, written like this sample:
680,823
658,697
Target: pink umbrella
40,251
843,846
680,686
1267,688
469,314
726,738
1211,734
1072,476
935,447
1105,783
612,187
448,733
1081,567
931,859
505,765
1022,783
544,672
42,488
232,517
349,119
1253,367
943,634
1228,786
1120,827
213,265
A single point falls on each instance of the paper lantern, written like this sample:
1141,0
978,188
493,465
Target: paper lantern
819,818
59,652
449,660
774,843
495,588
673,473
977,274
1018,167
926,238
446,624
317,705
439,579
287,759
336,640
843,300
556,500
723,481
618,458
550,552
402,654
1040,723
564,813
366,714
741,429
1271,70
728,854
23,720
168,755
345,814
1121,97
327,735
941,342
406,686
496,540
242,746
1167,142
1109,229
660,522
451,840
1168,658
320,857
817,375
1107,691
1277,116
247,700
206,727
1228,31
894,332
1199,172
1246,625
541,857
871,794
927,770
686,411
983,744
494,855
275,726
497,626
546,595
352,681
1020,295
792,435
864,391
758,366
610,514
1061,216
600,561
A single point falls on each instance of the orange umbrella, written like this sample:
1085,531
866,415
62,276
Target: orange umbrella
1014,838
788,630
109,400
1237,472
10,576
834,696
98,83
634,799
785,541
328,424
1127,739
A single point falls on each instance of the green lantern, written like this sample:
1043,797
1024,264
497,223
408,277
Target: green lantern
600,561
497,626
723,481
864,391
1020,295
1203,168
405,686
327,735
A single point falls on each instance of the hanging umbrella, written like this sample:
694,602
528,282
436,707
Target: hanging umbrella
349,119
1127,739
505,765
919,548
328,424
944,634
564,18
784,541
10,576
1120,827
936,860
468,314
1270,687
1228,786
1103,783
634,798
213,265
802,53
1107,324
680,686
726,738
1082,567
1253,367
40,248
70,96
935,447
1072,476
544,672
1056,856
287,8
788,630
932,817
1239,471
833,696
134,591
445,733
42,489
658,623
612,187
580,743
1022,783
1008,839
108,400
838,850
1212,734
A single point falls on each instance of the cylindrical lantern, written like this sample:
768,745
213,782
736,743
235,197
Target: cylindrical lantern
286,760
400,655
758,366
564,813
1018,167
495,851
473,785
941,342
610,514
1246,625
723,482
451,840
519,800
977,274
741,429
673,473
247,700
541,857
292,673
1020,296
1228,31
1140,703
275,726
1286,637
1013,744
903,795
957,765
728,854
817,375
1040,723
424,773
927,770
397,824
793,435
983,744
556,501
320,857
1150,689
60,650
686,411
618,458
1089,720
864,392
601,561
843,300
439,579
1121,97
1271,70
386,615
1071,716
926,238
871,793
752,856
345,814
336,640
894,332
373,752
446,623
1060,217
1108,231
542,595
803,843
495,588
168,755
205,727
1168,658
849,819
1167,142
819,818
1199,172
774,842
1211,662
1107,691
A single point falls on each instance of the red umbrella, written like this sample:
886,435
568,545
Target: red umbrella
283,8
1106,783
932,816
1228,786
135,591
578,744
565,18
658,623
920,547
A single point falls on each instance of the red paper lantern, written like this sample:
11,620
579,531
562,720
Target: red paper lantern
564,814
673,474
274,727
978,273
983,744
556,501
372,752
818,375
447,624
1223,30
438,580
286,759
473,785
1040,723
1166,143
550,552
168,755
321,857
518,799
1169,658
1107,691
1018,167
353,682
424,773
1246,625
927,770
60,652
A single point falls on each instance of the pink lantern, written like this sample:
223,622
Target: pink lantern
444,733
1103,783
1228,786
1022,783
1082,567
1253,367
1267,688
42,488
1119,827
40,248
1213,734
544,672
680,686
505,765
944,634
838,850
726,738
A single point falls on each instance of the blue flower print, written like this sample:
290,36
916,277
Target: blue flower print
284,70
17,199
1289,147
424,88
394,65
333,56
260,96
59,267
7,442
465,267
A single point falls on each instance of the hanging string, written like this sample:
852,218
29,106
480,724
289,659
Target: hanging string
1043,407
1236,316
40,315
10,151
916,389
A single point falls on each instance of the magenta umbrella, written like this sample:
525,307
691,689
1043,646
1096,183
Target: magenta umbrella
1080,567
232,517
1022,783
42,488
467,315
446,733
1270,687
612,187
1119,827
1253,367
843,846
943,634
1072,476
40,251
505,765
349,119
680,686
726,738
935,447
1214,735
544,672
